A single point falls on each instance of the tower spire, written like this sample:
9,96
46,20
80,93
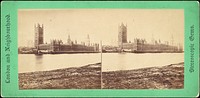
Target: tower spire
172,39
88,40
152,39
69,39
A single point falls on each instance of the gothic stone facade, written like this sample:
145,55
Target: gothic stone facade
59,46
140,45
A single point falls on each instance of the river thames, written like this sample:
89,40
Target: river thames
110,61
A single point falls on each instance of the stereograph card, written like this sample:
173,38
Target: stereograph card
100,49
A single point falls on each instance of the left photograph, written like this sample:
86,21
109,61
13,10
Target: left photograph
57,50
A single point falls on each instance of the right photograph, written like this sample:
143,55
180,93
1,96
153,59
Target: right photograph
146,52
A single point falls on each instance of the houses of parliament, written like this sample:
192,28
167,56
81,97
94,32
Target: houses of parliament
57,46
141,45
137,46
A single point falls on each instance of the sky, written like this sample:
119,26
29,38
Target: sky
101,24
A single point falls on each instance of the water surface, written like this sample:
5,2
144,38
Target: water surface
127,61
110,61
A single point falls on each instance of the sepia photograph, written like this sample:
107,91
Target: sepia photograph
101,48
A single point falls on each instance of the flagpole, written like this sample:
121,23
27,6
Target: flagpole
101,65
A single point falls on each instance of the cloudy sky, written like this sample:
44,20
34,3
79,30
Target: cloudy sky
101,24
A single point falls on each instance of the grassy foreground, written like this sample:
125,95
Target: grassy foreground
165,77
86,77
89,77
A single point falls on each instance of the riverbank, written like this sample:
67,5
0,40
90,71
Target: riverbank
89,77
85,77
165,77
